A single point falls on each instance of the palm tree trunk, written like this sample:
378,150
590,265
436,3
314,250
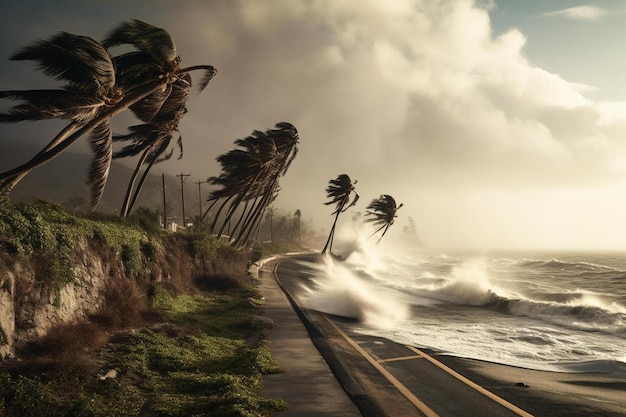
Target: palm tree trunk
262,204
231,211
256,217
209,209
241,196
245,210
331,234
248,218
219,211
142,180
131,184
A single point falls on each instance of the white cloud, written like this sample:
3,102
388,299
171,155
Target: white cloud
414,98
585,12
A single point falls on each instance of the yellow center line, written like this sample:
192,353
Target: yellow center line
471,384
403,390
403,358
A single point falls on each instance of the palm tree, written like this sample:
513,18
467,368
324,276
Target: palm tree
151,141
250,177
243,173
149,81
89,70
285,138
339,192
383,213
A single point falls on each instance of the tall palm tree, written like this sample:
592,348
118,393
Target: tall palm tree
383,212
285,137
91,86
250,178
143,80
243,171
339,192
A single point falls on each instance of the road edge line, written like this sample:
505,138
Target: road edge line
471,384
403,389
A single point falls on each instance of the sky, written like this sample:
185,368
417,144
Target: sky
498,124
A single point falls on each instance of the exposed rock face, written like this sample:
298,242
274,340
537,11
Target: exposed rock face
7,312
30,305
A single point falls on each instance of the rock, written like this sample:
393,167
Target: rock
111,374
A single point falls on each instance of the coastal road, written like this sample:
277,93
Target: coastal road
385,378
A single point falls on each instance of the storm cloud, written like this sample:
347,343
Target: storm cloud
418,99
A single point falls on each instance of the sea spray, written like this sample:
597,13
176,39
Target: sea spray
468,284
513,309
339,291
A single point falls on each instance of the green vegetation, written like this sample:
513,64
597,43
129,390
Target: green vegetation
196,362
169,349
49,234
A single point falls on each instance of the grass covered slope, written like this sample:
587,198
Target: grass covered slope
174,334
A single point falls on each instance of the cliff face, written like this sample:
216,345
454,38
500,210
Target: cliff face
32,302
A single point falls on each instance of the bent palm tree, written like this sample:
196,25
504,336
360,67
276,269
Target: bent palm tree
250,176
91,86
383,213
151,141
99,88
339,192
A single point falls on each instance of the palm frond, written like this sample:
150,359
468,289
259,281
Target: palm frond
160,157
74,58
150,39
149,107
382,212
179,143
209,73
50,104
135,67
100,142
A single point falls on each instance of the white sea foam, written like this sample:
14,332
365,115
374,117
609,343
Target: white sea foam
339,291
468,284
349,288
535,313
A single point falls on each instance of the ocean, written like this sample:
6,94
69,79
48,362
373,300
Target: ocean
555,311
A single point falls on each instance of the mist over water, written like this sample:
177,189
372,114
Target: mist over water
551,311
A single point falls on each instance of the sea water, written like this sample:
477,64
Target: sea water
554,311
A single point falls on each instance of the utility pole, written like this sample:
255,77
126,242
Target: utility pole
199,200
164,204
183,177
298,214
